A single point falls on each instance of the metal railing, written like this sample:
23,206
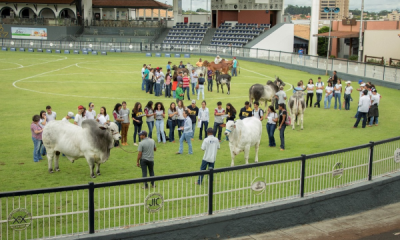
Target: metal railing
86,209
40,21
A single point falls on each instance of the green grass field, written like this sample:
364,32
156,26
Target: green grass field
30,81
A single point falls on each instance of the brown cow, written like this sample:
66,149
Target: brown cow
222,67
183,70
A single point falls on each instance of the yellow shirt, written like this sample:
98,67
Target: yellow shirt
199,64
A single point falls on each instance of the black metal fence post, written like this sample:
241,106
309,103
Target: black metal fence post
210,191
371,160
303,173
91,207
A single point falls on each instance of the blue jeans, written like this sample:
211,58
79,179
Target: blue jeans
143,84
180,124
160,130
204,126
210,84
185,136
347,101
319,98
356,116
362,115
371,121
151,126
119,126
282,135
147,85
194,88
193,128
204,167
138,128
328,100
337,97
218,128
186,89
36,149
174,94
168,90
271,130
171,125
158,90
234,72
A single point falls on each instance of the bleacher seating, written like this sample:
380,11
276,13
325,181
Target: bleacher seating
238,35
183,33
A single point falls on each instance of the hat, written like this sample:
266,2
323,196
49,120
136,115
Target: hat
157,68
348,82
362,85
210,130
217,56
80,107
71,115
234,57
373,90
194,101
360,81
143,133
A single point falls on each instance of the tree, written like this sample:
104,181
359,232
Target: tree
294,10
201,10
322,42
302,16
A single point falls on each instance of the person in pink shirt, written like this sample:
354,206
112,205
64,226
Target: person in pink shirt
168,84
186,84
36,130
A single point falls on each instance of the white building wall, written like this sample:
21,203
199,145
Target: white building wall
282,39
382,43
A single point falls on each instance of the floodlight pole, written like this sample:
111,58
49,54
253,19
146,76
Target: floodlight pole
360,37
329,42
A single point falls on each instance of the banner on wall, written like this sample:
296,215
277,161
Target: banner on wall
29,33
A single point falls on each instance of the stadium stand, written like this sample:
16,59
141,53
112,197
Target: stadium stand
183,33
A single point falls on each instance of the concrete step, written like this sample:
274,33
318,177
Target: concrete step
208,37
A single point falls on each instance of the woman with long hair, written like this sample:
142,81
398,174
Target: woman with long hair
148,110
172,121
36,131
338,94
231,111
117,116
42,123
181,119
174,84
310,92
103,117
272,117
159,112
328,95
137,115
204,117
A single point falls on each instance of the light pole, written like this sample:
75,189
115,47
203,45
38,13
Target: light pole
360,37
329,10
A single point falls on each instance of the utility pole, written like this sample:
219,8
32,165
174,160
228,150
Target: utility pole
360,37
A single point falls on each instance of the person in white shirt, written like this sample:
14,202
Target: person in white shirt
217,59
43,119
328,95
210,147
319,86
258,112
103,117
69,116
338,93
373,112
193,80
363,108
272,117
90,113
281,96
347,95
204,118
143,79
50,115
310,92
79,118
360,89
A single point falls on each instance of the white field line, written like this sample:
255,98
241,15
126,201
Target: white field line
291,86
22,66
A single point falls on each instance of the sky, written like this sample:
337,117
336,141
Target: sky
369,5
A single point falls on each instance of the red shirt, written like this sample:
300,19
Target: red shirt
186,82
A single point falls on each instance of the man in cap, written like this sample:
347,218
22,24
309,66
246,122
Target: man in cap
360,89
347,95
145,158
234,67
69,116
79,117
363,108
210,147
217,59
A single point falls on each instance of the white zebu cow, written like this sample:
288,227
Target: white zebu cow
244,134
297,107
197,70
91,141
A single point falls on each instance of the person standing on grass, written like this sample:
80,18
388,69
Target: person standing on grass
117,116
137,116
280,96
199,63
258,112
210,147
143,77
103,117
181,119
151,80
172,121
169,66
148,110
234,67
328,95
179,93
146,75
79,118
36,131
193,80
319,86
187,133
174,84
218,120
125,113
43,118
282,124
193,113
347,95
50,115
363,108
168,84
90,113
361,89
181,65
246,111
272,117
201,82
210,79
334,79
204,118
145,158
186,84
69,116
338,94
159,112
310,92
373,112
162,80
158,83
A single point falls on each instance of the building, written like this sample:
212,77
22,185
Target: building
343,5
394,16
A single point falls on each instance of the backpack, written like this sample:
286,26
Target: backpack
288,120
259,112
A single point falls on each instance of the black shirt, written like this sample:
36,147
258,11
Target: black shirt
244,113
136,116
231,116
334,80
193,113
284,112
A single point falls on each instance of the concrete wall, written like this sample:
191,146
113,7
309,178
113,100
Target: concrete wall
53,32
244,16
382,43
40,7
281,39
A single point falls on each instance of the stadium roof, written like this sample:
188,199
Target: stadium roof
39,1
130,4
